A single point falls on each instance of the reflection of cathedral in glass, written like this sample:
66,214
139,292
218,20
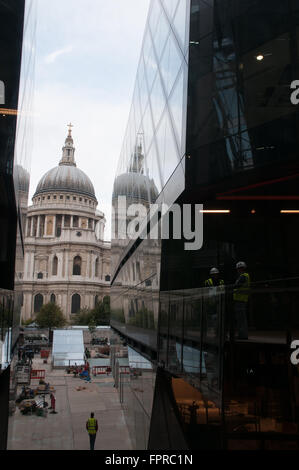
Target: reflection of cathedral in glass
136,184
212,104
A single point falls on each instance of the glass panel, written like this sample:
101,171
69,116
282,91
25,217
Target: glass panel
142,86
170,64
136,103
176,106
151,68
170,6
154,16
161,34
157,100
147,128
168,153
154,172
147,45
179,22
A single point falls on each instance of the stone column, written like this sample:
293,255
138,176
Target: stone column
38,226
90,264
54,225
26,265
66,265
26,229
60,262
31,228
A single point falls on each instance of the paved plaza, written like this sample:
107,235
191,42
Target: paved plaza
66,430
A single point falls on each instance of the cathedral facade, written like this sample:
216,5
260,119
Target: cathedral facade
66,260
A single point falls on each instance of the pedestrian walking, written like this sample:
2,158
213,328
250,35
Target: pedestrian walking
53,404
92,429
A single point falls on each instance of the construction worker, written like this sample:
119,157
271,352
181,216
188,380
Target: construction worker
92,429
214,280
211,301
241,297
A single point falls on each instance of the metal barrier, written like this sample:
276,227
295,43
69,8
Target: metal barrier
99,370
38,374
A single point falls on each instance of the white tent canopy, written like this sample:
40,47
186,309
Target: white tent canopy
68,348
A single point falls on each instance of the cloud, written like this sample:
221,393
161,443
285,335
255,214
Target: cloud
50,58
95,93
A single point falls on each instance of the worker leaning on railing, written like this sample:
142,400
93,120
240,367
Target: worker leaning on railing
215,286
241,298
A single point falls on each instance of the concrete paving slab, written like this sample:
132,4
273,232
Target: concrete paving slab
66,430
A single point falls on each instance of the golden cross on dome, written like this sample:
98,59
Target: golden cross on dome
70,128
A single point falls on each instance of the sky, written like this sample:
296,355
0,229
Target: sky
87,53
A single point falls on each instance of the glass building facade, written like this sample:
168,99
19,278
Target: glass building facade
212,123
17,19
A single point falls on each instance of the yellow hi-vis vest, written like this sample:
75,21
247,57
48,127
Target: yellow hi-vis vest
209,283
241,294
91,425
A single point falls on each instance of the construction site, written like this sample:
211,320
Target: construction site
78,370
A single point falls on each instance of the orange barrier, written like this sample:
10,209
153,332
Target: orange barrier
38,374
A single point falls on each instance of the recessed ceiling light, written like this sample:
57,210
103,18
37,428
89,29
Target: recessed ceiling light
260,57
215,211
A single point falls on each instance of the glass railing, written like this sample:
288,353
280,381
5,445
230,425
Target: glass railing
231,361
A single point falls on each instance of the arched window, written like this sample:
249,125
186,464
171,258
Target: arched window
96,269
40,276
77,266
38,302
53,298
107,278
76,303
96,300
55,266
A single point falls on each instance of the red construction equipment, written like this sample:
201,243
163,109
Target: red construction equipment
38,374
44,354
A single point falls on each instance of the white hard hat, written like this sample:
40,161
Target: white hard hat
214,271
241,264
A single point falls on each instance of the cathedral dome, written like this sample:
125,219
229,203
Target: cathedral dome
22,178
135,184
66,177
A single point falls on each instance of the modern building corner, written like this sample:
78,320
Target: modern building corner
211,127
17,20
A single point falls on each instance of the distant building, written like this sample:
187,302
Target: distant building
67,260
